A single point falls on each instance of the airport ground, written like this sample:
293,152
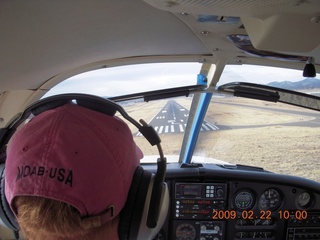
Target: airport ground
245,136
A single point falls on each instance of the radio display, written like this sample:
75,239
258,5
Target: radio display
199,200
214,191
192,190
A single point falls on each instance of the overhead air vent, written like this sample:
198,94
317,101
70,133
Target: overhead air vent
218,19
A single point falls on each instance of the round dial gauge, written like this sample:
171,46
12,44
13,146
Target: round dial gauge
304,199
244,200
270,200
185,232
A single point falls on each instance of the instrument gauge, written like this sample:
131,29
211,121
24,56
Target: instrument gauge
185,232
304,199
270,199
244,200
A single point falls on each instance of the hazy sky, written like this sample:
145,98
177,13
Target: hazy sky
146,77
130,79
260,74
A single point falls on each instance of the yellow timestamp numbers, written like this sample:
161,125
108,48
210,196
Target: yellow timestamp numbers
263,214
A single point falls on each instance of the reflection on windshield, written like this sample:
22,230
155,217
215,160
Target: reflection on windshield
280,138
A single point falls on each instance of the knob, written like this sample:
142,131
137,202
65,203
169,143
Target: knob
220,192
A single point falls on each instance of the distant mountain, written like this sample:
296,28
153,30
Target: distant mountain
308,83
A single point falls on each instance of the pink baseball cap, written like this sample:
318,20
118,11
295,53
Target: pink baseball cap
75,155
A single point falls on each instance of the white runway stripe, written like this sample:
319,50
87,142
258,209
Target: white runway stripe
206,126
213,127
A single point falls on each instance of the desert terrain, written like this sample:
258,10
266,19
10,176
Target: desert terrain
250,132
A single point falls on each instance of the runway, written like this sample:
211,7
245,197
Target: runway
173,117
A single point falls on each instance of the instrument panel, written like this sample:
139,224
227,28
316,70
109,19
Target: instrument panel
199,203
213,203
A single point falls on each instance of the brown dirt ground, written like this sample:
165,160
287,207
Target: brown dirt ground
286,150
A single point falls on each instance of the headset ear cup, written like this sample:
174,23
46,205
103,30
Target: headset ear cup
6,215
132,212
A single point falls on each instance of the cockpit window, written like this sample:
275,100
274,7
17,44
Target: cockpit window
122,80
277,137
271,76
167,116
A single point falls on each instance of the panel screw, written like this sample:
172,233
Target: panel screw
205,33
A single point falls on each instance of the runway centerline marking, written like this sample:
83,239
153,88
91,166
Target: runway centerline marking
172,118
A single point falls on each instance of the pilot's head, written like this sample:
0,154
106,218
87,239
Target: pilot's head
68,173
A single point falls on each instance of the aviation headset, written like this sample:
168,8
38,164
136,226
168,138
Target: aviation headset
147,203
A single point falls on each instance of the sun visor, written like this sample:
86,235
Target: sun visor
284,33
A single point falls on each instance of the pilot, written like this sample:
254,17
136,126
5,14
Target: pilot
68,174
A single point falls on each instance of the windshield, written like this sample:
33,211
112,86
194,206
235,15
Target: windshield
278,137
276,77
117,81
